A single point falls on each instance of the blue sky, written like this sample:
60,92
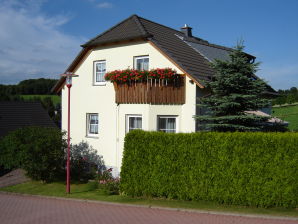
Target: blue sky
39,38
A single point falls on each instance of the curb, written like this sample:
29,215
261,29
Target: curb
154,207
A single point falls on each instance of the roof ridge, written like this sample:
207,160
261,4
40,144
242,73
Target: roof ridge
108,30
140,25
178,31
160,24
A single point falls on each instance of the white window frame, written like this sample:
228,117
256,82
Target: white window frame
141,57
127,121
99,83
88,115
168,116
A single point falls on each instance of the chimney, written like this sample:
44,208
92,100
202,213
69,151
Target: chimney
186,30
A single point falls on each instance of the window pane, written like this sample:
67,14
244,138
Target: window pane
98,67
103,67
138,122
100,77
171,123
162,123
93,129
146,64
139,64
167,124
142,63
100,71
131,123
94,119
93,124
134,123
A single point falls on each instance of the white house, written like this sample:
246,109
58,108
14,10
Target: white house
101,118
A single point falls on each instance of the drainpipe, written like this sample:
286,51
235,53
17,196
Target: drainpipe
117,136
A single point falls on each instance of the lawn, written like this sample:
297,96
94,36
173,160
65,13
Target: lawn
92,192
287,113
55,98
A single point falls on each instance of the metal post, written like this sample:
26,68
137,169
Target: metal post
68,79
68,146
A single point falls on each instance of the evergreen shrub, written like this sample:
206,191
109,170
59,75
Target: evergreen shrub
250,169
38,150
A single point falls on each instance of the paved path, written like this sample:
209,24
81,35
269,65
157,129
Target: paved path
41,210
12,178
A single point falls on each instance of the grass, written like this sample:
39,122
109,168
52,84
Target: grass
56,99
288,113
90,191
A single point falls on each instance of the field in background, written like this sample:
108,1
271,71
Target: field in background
56,99
288,113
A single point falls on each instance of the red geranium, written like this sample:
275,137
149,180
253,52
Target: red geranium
122,76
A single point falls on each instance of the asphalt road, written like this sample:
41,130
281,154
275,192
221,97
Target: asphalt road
19,209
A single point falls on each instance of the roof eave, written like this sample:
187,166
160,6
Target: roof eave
58,86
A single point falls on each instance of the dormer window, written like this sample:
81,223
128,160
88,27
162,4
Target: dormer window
99,73
141,63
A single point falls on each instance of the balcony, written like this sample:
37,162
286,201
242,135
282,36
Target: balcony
152,91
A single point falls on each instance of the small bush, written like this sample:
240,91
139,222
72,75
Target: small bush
108,183
85,162
38,150
255,169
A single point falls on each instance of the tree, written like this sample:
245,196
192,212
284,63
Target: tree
234,91
38,150
287,96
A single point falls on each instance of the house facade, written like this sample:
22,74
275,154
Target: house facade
103,112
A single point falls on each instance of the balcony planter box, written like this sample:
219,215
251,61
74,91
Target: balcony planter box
152,91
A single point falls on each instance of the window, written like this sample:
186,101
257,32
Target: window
141,63
133,122
92,124
167,124
99,72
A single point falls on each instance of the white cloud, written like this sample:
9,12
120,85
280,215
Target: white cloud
280,76
31,44
105,5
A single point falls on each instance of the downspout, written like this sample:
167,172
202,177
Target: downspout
117,136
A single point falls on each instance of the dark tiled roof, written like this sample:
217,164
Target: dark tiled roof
167,39
192,54
125,30
14,115
210,53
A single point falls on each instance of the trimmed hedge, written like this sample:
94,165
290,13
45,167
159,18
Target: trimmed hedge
256,169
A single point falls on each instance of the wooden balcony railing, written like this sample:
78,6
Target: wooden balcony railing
151,92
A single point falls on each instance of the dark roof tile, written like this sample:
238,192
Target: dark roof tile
192,54
14,115
125,30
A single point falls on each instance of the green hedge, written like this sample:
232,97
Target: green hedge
257,169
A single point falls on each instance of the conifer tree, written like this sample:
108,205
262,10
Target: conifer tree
234,91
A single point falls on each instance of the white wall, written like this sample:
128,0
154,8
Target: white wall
87,98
